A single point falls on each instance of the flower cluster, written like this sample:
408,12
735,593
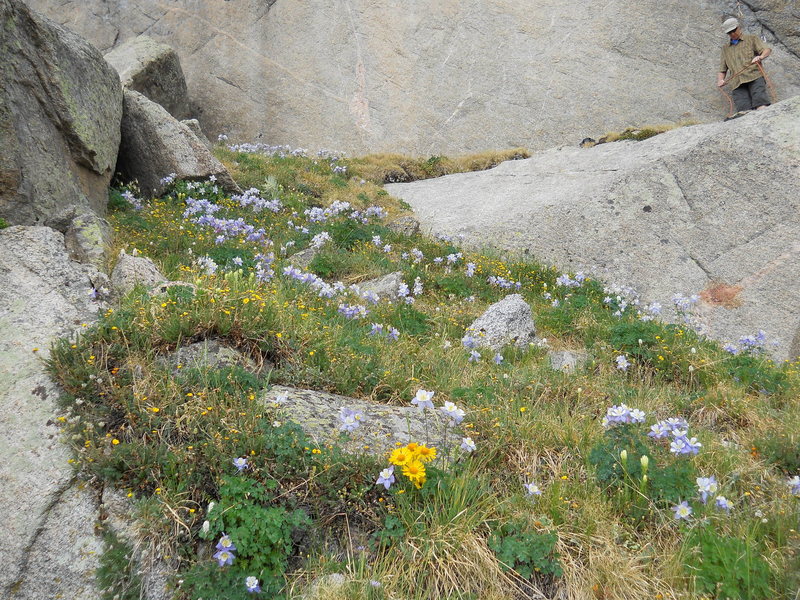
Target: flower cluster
617,415
411,459
424,399
566,281
353,311
225,551
678,429
135,202
382,330
748,343
503,283
620,297
252,198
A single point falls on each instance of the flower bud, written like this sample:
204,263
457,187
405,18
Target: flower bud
645,460
624,456
206,526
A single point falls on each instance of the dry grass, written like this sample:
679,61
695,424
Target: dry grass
394,168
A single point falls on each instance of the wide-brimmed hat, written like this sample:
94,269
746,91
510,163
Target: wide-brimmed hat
730,24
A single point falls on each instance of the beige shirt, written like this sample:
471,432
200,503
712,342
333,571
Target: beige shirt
736,57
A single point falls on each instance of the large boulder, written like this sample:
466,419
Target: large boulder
131,271
711,210
60,111
507,322
155,145
439,77
153,70
382,427
48,520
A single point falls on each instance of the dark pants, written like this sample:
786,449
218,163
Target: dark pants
751,95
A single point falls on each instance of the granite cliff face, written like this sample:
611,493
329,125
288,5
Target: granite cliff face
683,212
441,77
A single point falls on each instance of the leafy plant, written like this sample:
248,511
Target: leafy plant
526,552
727,567
670,479
261,534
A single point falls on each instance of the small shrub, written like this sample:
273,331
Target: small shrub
526,552
753,372
4,223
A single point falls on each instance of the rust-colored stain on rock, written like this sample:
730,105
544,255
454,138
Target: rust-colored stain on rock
722,294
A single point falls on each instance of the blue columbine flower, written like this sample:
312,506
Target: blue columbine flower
423,399
350,419
682,510
224,557
474,356
622,362
707,486
455,414
498,358
386,478
467,444
225,543
794,483
252,585
532,489
240,463
723,503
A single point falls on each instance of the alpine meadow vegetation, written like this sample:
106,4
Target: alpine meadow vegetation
664,466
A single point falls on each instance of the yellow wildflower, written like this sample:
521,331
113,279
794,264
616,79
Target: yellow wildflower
426,454
415,471
400,457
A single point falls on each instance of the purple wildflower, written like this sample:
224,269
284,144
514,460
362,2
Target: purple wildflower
386,478
682,510
252,585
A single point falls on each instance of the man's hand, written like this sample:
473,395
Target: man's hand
720,82
755,60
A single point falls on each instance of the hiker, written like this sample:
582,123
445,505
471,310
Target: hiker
740,57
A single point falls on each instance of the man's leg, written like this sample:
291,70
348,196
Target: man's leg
741,97
758,93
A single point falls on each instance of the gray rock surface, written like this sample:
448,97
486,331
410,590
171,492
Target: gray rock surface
508,321
63,559
154,569
679,213
194,126
382,429
45,532
60,110
86,239
155,144
779,17
385,286
440,77
210,354
153,70
304,258
568,361
406,225
132,270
